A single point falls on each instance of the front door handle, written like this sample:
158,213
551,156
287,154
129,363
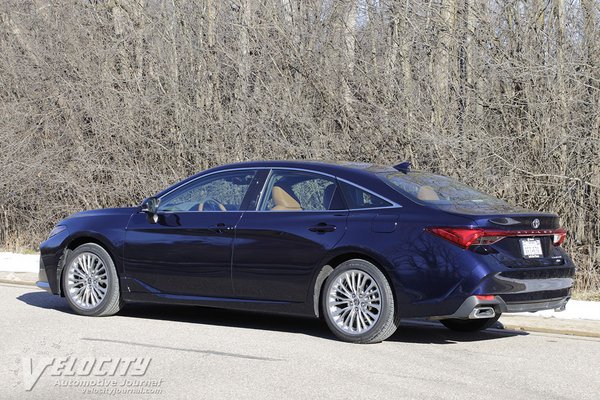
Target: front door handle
220,228
322,227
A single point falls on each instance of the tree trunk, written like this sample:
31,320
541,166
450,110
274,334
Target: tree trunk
349,37
558,9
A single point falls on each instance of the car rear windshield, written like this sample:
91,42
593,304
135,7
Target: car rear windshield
441,191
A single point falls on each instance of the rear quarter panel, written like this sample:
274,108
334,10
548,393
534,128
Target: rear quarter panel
424,270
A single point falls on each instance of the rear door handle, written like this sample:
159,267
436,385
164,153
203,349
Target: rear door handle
220,228
322,227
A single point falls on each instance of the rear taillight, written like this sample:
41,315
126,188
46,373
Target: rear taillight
559,237
467,237
463,237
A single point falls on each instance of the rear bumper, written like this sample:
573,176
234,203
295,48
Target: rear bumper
557,304
514,290
468,309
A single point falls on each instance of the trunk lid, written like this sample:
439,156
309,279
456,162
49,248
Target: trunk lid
526,239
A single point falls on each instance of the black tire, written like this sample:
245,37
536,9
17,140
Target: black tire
112,302
469,325
387,321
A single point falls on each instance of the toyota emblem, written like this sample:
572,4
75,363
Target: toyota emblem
535,223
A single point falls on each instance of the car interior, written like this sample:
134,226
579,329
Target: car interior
286,200
426,193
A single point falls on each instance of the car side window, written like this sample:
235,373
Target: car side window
288,190
219,192
357,198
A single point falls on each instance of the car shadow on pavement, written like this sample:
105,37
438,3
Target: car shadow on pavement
410,331
229,318
44,300
432,332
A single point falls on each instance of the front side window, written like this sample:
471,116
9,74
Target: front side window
298,190
219,192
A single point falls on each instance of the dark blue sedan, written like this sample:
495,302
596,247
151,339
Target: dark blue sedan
357,244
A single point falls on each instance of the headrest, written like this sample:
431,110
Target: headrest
426,193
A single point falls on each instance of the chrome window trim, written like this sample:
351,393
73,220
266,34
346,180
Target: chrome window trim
267,211
209,174
345,210
393,204
262,191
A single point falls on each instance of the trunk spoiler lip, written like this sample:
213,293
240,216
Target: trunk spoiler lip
478,219
509,220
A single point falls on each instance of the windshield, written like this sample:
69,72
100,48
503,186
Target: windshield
442,192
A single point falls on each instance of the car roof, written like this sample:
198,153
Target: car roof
330,167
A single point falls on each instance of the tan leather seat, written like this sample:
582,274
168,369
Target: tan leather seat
283,200
426,193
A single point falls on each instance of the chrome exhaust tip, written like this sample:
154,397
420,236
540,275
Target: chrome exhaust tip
482,312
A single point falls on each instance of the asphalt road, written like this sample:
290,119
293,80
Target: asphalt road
211,354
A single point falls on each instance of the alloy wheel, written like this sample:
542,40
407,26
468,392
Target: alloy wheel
354,302
87,280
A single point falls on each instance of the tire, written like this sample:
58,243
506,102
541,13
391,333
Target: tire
469,325
90,282
375,309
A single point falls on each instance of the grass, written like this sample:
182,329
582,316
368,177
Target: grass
20,250
28,251
587,296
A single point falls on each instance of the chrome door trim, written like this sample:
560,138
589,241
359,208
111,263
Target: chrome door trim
262,194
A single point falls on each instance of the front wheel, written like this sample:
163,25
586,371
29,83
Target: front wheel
90,282
358,303
469,325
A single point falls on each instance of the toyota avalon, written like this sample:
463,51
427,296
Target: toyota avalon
356,244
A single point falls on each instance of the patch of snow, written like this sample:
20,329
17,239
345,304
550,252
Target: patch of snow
14,262
576,309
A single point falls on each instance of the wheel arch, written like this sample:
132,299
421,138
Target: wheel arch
334,260
79,240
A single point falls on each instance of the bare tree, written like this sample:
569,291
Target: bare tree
103,103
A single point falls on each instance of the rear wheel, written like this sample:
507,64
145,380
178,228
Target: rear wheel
469,325
358,303
90,281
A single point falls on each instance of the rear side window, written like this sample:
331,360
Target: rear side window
357,198
289,190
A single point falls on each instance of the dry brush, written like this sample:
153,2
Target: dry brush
105,102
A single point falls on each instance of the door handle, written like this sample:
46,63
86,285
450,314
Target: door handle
220,228
322,228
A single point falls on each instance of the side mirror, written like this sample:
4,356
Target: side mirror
150,207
